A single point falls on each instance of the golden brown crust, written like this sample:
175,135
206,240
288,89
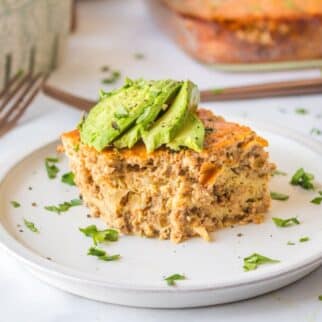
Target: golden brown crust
247,9
220,135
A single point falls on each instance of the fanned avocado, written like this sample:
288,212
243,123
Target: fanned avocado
169,124
191,135
117,111
168,89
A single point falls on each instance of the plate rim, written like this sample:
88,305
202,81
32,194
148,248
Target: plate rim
32,260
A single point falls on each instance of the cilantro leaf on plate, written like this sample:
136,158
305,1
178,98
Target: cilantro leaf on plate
15,204
253,261
63,207
304,239
317,200
302,179
68,178
279,196
171,280
31,226
102,255
51,168
279,222
100,236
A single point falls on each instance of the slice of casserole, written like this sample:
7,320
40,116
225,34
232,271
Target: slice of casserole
176,194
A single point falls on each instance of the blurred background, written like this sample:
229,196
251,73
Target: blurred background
226,35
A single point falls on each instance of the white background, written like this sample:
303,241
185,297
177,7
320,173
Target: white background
110,33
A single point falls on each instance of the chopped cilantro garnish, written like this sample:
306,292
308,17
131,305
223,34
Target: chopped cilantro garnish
303,179
171,280
320,297
279,222
217,91
279,196
68,178
316,131
102,255
301,111
139,56
317,200
76,147
31,226
304,239
279,173
63,207
15,204
51,168
100,236
115,75
253,261
290,243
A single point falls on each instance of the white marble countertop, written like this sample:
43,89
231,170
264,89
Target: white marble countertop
110,33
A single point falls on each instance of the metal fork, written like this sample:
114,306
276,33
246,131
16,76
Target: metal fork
16,98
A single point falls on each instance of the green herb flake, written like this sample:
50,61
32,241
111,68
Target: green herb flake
317,200
31,226
63,207
102,255
279,173
139,56
15,204
302,179
253,261
279,222
279,196
301,111
320,297
68,178
76,147
316,131
171,280
304,239
217,91
51,168
100,236
113,78
290,243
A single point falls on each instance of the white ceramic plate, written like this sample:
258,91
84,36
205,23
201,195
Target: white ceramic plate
214,270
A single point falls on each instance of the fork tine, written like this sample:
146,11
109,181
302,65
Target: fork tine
11,82
39,82
19,97
21,104
10,94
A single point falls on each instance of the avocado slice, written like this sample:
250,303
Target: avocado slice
168,91
191,135
117,111
169,124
